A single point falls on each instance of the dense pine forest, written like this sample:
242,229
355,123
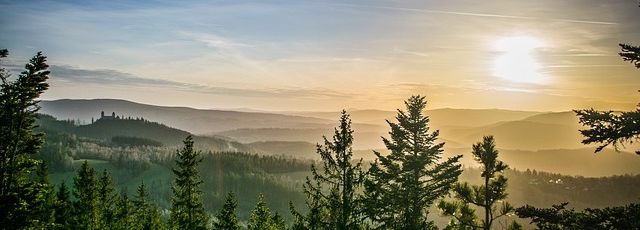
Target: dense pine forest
130,173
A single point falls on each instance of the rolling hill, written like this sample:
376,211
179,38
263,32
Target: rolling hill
197,121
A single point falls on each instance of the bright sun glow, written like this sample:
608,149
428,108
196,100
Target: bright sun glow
516,62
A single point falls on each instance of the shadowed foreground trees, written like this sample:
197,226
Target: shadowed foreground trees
559,217
20,194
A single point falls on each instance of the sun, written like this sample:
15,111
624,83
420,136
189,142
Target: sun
516,62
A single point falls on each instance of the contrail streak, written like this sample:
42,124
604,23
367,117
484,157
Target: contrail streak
477,14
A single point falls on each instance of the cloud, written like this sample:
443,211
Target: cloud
78,76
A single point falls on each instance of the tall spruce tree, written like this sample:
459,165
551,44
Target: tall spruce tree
124,216
86,209
484,196
146,213
401,186
260,218
106,200
18,142
187,210
227,218
43,205
341,177
63,208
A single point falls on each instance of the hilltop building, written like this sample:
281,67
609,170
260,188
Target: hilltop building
112,117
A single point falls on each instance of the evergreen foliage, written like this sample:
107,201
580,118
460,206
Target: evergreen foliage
145,212
631,54
484,196
559,217
227,218
18,143
187,210
402,186
124,216
608,127
63,208
261,218
86,206
339,207
106,200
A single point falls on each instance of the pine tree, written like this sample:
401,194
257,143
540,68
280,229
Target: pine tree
278,221
86,209
42,208
260,218
341,177
227,219
18,142
124,214
63,208
631,54
187,210
484,196
402,186
609,127
146,213
106,199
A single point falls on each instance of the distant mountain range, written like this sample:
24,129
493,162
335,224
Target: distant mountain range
535,140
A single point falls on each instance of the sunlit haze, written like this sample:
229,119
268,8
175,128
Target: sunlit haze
327,55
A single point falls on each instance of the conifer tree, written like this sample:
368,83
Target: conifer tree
402,186
260,218
86,209
42,210
18,142
124,214
106,199
278,221
146,214
63,208
227,218
484,196
341,177
609,127
187,210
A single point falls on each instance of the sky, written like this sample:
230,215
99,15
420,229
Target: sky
326,55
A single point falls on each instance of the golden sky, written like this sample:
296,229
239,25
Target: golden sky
326,55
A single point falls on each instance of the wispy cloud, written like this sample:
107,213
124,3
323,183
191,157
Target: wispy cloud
111,77
474,14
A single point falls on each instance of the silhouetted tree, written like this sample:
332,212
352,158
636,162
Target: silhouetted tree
18,142
402,186
341,177
227,218
485,196
86,209
631,54
558,217
187,211
609,127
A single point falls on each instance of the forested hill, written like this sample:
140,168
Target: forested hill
198,121
134,131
